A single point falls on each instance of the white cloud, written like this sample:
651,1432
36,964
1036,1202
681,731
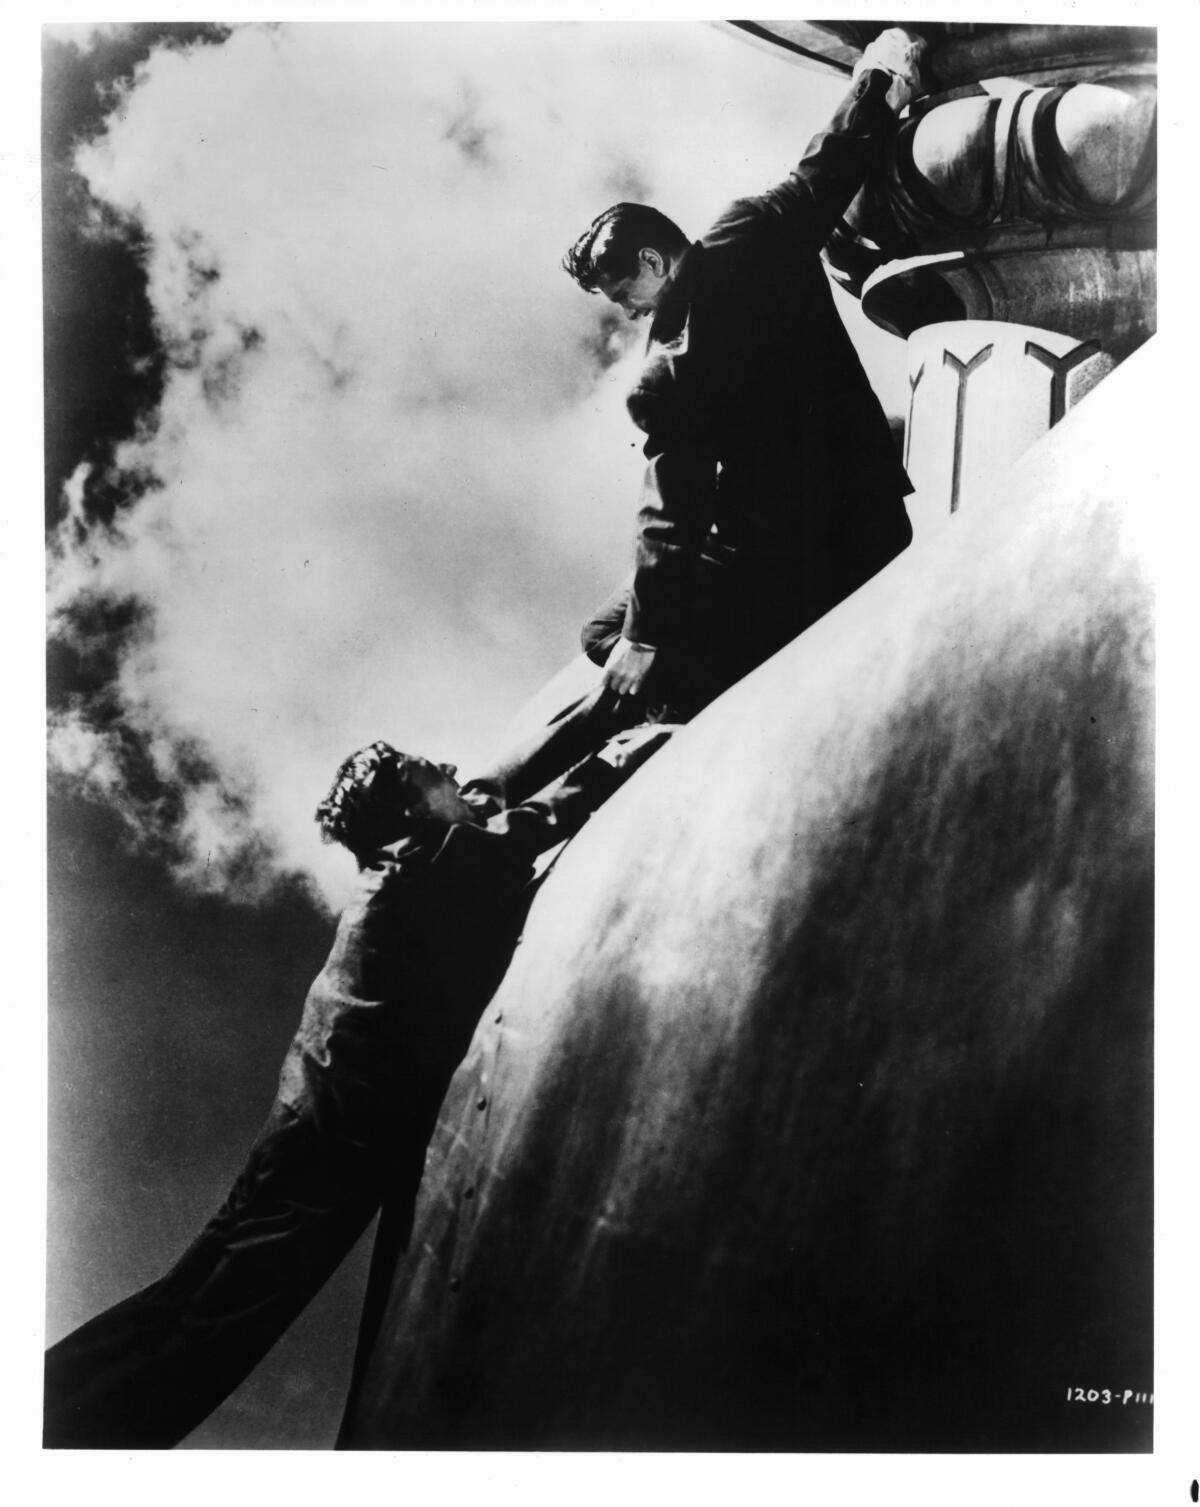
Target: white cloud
394,481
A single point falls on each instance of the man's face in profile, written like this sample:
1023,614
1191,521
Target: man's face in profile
641,294
432,791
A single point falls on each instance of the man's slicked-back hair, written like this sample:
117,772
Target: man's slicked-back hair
609,246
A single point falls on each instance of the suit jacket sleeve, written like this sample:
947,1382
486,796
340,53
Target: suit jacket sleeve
808,204
558,811
677,505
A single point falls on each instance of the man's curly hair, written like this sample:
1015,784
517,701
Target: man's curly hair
349,814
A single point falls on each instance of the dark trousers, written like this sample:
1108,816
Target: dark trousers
383,1028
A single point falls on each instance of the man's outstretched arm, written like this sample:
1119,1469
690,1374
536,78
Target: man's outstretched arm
815,194
557,812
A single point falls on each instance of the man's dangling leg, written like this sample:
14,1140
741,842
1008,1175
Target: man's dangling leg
381,1033
146,1372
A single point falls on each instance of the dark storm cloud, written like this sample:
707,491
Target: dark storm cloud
102,364
159,779
104,373
85,655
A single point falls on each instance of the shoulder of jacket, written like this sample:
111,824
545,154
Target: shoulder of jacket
738,227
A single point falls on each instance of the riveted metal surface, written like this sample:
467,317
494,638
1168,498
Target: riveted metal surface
821,1114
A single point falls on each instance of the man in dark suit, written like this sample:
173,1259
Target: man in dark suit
443,887
773,488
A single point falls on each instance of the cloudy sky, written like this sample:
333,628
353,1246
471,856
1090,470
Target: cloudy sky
335,451
386,471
